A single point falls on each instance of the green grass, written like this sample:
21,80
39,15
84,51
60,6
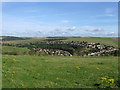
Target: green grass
9,49
10,38
0,70
106,41
56,71
32,40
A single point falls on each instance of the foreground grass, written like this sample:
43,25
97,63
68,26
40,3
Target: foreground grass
56,71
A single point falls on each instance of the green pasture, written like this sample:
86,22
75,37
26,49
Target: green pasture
57,71
32,40
14,50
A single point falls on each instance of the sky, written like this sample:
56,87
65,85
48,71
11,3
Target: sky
48,19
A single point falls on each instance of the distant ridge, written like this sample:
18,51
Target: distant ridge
10,38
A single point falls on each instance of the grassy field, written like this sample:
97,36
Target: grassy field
16,50
22,71
57,72
32,40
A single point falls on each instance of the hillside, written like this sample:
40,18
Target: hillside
10,38
57,63
67,46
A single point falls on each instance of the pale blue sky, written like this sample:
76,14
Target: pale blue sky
38,19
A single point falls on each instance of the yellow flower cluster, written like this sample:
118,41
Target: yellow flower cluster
11,73
13,59
103,78
8,71
10,62
110,80
107,79
77,67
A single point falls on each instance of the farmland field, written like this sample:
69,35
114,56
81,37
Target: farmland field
22,70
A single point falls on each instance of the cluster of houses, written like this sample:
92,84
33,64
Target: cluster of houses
102,53
101,49
52,52
84,44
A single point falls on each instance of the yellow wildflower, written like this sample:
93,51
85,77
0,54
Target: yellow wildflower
77,66
13,59
57,78
23,85
106,76
110,80
98,68
8,71
103,78
13,71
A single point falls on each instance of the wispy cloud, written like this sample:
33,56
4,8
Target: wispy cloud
72,28
93,29
65,21
110,33
108,15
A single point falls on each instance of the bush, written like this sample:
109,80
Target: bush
11,53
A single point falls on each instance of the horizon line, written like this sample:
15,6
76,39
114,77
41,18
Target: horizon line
62,36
